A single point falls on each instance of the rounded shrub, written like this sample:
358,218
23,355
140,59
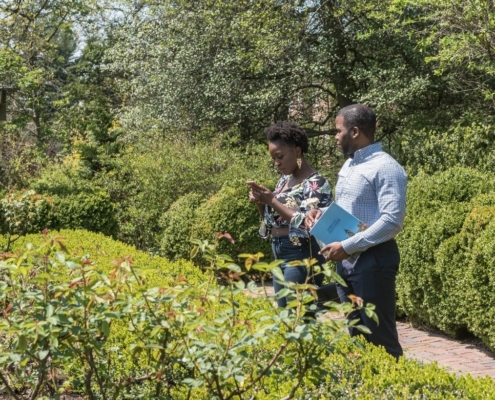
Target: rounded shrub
177,225
426,193
76,204
372,374
480,289
418,283
444,251
92,211
469,143
229,210
104,251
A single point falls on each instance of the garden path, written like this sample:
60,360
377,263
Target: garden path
462,357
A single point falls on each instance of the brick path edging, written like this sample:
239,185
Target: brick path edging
454,355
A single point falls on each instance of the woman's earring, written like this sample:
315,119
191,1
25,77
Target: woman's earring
299,162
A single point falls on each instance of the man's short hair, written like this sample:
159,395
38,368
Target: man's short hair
361,116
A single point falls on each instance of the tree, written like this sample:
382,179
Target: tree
209,65
39,43
464,35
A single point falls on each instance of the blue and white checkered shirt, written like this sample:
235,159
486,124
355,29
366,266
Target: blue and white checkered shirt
372,187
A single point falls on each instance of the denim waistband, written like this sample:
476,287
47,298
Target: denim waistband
278,239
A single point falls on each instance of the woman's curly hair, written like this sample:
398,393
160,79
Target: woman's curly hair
289,133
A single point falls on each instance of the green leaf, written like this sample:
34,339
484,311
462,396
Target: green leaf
363,329
194,251
105,328
284,292
53,342
277,272
21,343
43,353
15,357
240,285
262,266
60,257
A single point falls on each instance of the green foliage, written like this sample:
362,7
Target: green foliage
418,282
229,210
446,252
481,277
279,60
22,212
225,81
65,314
37,43
372,374
468,143
149,178
178,226
77,204
463,34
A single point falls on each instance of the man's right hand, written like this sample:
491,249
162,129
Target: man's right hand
312,216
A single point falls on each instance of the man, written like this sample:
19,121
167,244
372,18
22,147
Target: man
372,186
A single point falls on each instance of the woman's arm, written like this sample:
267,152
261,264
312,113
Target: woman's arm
259,204
266,196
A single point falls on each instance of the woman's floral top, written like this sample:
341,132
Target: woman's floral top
313,192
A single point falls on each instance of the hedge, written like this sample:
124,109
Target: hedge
447,277
372,374
76,204
228,210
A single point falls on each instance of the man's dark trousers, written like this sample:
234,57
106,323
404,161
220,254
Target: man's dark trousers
373,279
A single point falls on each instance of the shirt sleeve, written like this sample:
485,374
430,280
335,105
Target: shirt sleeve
390,188
266,225
317,193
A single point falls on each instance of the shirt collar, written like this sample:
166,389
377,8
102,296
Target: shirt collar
361,154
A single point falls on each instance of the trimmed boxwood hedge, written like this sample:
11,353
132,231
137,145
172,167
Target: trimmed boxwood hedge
374,375
103,250
76,204
447,275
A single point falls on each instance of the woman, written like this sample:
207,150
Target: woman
299,189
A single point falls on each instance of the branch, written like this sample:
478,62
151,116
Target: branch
58,27
131,381
35,16
316,133
9,389
261,374
40,382
92,367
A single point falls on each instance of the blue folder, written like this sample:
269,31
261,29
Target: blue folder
336,225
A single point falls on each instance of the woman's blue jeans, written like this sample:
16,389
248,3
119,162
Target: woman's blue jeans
283,249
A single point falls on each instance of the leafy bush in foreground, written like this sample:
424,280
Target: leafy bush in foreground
142,327
66,318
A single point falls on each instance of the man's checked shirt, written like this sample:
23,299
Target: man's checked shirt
372,187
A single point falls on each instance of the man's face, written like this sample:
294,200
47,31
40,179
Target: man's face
343,136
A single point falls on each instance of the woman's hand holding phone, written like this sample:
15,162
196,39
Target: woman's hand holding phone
258,193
